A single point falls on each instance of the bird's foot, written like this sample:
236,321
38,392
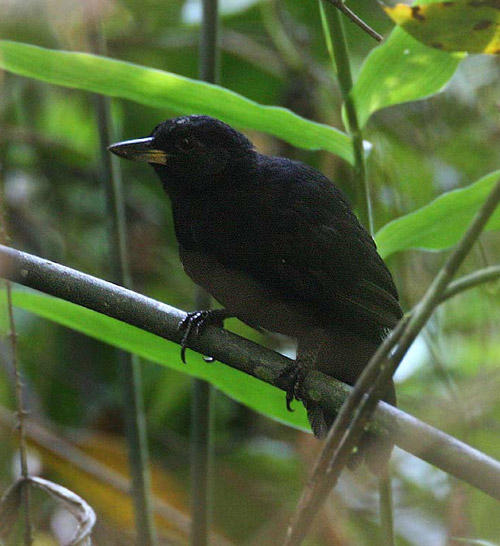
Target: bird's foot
195,323
296,378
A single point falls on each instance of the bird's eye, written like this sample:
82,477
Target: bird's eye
185,144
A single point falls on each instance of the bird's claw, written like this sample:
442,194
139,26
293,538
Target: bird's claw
195,323
294,390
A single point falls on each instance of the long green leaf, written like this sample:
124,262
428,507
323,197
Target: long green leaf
256,394
399,70
441,223
166,90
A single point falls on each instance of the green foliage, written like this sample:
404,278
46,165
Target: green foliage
441,223
400,70
255,394
165,90
422,151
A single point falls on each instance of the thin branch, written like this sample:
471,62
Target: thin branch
339,4
21,423
209,42
133,404
21,412
471,281
43,438
412,435
354,415
319,484
344,417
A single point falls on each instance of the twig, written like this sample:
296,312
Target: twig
59,448
23,456
471,281
319,484
339,4
133,404
412,435
209,42
21,412
201,444
341,440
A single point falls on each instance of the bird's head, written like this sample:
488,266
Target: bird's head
189,152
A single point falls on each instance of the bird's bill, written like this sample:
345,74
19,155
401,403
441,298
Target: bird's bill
139,149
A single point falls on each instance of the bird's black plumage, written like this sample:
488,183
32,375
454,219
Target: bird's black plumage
276,243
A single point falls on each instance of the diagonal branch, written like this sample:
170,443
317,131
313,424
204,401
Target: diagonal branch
412,435
355,413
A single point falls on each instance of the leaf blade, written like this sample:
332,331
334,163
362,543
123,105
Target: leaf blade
161,89
256,394
400,70
441,223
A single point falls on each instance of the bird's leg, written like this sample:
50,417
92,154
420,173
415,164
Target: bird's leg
195,322
308,348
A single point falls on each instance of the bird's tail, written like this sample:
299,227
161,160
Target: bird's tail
374,449
344,358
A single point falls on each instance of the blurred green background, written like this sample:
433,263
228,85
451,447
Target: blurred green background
273,53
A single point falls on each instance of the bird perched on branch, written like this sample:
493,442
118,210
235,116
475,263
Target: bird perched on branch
277,244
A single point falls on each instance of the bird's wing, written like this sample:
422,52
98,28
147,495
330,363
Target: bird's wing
363,288
299,237
292,231
333,269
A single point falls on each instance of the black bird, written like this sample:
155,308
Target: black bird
277,244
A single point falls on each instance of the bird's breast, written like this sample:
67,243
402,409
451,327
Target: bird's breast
245,297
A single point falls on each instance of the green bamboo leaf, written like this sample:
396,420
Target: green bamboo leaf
441,223
255,394
166,90
399,70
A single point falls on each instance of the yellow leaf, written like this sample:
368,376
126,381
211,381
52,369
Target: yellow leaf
458,25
